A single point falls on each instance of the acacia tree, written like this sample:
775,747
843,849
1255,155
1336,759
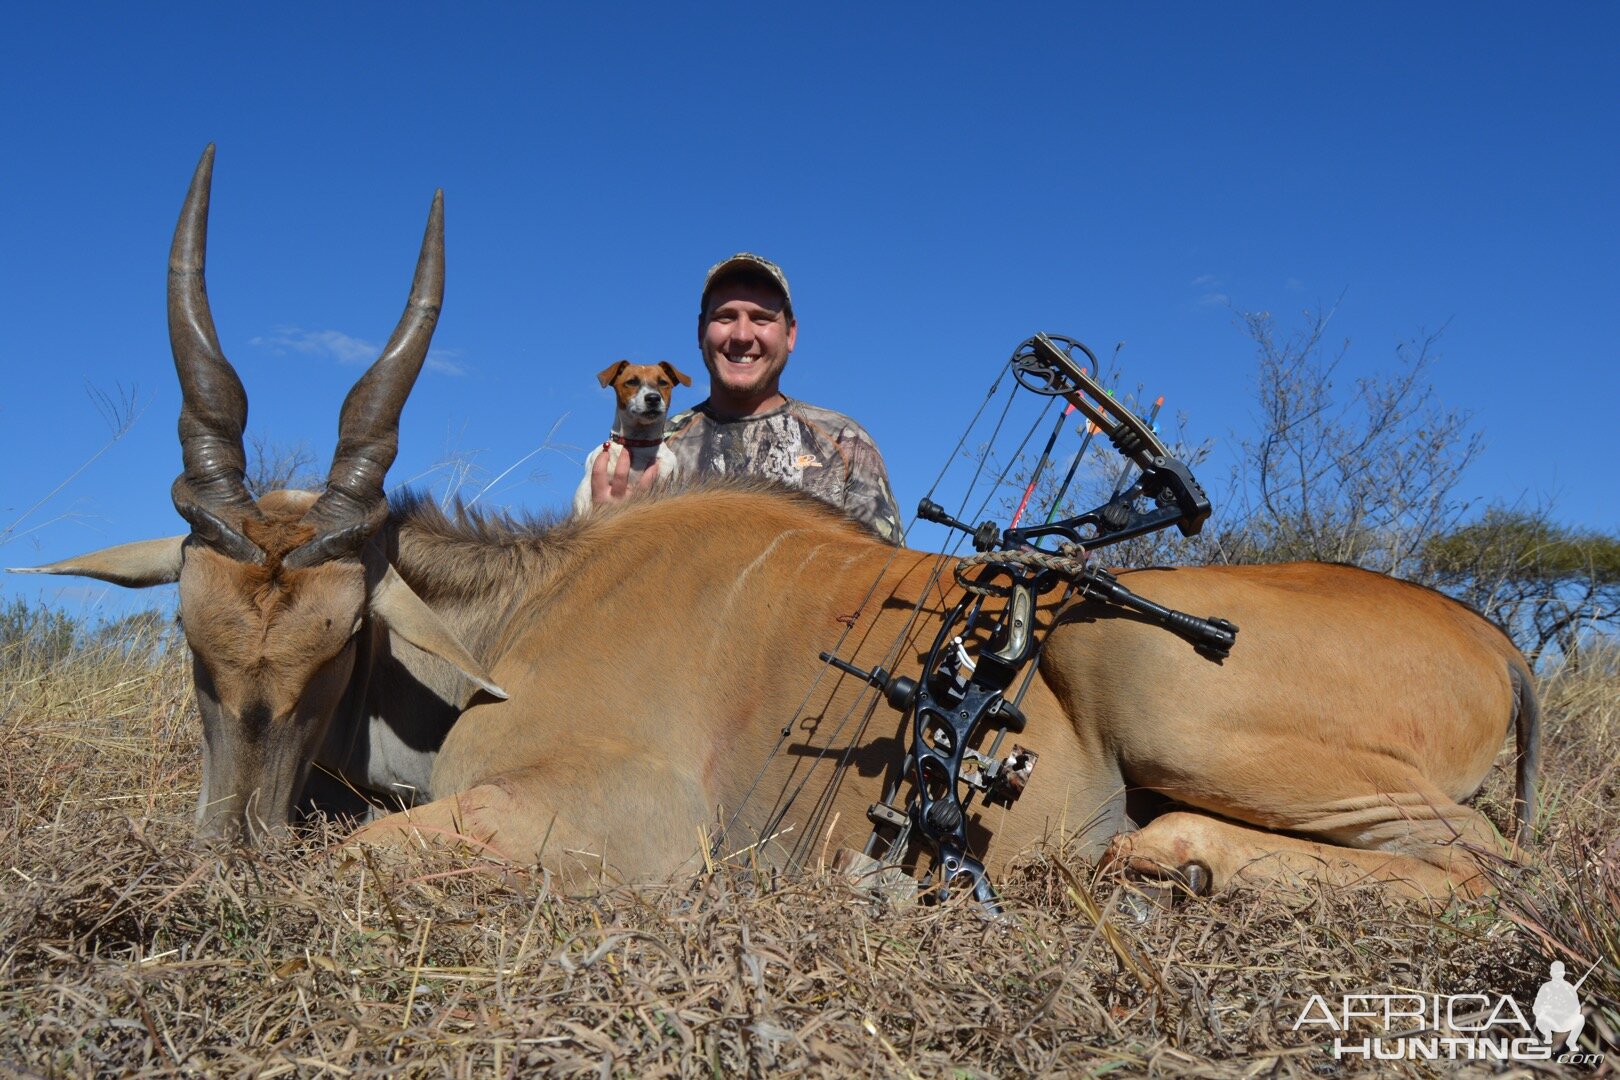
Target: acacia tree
1551,586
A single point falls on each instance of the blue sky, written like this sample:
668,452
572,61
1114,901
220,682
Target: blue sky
939,183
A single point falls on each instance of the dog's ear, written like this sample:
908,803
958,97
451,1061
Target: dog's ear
611,372
675,373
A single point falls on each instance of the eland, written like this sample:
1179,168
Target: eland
594,696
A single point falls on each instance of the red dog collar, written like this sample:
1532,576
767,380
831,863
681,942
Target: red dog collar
633,443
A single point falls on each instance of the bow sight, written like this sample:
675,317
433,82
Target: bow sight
993,631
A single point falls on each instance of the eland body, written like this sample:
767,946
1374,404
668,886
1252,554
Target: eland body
495,675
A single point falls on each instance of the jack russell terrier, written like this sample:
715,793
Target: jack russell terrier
643,391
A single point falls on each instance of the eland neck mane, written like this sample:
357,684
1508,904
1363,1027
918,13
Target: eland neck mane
475,567
478,568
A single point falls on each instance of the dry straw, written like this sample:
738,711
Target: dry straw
127,949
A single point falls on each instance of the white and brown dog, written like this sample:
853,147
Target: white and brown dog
643,391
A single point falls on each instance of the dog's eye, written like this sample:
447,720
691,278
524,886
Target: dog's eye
632,382
662,383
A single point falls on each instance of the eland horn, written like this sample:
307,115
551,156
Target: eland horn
211,493
353,505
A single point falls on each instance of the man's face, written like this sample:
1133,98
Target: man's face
746,338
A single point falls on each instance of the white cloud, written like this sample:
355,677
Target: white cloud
1203,281
346,348
446,362
1214,299
331,344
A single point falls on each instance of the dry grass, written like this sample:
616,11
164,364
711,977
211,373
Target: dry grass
124,948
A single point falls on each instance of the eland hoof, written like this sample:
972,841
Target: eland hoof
1195,878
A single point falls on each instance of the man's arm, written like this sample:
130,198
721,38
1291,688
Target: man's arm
867,495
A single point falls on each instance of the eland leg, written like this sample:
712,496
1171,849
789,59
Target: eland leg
640,819
1413,839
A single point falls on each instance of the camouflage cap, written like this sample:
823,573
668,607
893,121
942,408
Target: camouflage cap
746,262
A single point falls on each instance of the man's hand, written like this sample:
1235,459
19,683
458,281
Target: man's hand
607,489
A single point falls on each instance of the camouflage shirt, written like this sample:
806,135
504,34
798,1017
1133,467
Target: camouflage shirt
817,450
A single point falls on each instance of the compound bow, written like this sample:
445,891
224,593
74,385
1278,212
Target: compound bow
960,697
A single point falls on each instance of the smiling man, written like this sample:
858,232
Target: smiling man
747,426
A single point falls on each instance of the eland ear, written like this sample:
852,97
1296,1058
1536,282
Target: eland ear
135,566
397,606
